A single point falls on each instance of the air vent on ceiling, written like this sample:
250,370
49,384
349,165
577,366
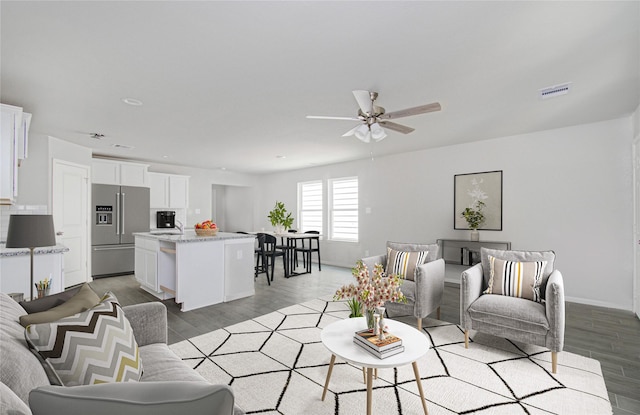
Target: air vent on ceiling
554,91
97,136
123,146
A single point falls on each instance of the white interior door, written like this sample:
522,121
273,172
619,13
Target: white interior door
70,214
636,225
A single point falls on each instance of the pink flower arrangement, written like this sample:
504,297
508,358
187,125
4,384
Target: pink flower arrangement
372,291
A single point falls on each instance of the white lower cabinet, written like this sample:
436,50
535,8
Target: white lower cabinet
146,263
155,267
16,272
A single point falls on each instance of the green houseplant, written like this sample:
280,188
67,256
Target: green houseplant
279,217
475,218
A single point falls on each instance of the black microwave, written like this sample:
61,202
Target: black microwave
165,219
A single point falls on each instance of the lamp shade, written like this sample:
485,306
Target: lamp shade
30,231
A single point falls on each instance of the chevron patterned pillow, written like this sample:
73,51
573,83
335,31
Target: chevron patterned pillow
95,346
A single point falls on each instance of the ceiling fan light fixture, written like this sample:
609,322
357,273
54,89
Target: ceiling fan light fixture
363,133
377,132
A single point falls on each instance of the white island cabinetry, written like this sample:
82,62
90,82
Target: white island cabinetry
196,271
146,263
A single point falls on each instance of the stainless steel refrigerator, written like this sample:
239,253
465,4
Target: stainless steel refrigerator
118,211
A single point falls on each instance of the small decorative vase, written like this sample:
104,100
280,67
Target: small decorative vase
381,323
371,321
279,229
475,235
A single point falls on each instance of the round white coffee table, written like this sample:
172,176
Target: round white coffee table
338,338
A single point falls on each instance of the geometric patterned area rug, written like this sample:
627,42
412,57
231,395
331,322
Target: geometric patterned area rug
276,364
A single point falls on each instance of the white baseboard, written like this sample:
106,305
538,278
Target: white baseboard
596,303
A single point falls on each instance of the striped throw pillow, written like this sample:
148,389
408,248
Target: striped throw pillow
515,279
404,263
95,346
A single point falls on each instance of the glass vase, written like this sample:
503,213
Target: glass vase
368,313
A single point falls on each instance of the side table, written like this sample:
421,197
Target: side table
338,339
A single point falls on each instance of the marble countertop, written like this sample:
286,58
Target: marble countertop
6,252
190,236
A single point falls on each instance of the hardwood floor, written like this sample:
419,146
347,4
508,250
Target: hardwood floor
608,335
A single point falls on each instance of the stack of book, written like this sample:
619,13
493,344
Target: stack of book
380,348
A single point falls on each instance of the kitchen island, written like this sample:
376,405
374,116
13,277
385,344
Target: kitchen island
196,271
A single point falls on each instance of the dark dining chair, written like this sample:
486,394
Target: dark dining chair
261,257
271,252
308,250
259,253
294,247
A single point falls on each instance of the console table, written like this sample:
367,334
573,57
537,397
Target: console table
465,252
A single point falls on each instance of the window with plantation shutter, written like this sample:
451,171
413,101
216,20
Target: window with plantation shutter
310,206
343,209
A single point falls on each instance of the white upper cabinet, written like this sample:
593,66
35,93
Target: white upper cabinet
158,190
119,172
14,134
178,191
133,174
168,191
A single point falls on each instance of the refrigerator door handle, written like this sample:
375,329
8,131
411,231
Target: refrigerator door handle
112,248
118,213
123,215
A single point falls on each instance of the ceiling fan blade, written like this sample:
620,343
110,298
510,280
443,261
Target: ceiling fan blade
364,101
322,117
351,131
396,127
422,109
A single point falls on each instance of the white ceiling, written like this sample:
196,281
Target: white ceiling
228,84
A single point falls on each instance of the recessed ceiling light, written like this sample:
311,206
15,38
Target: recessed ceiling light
281,157
165,157
223,168
132,101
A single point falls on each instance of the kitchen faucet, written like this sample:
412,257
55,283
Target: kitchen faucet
180,227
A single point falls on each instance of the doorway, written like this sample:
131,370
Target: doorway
70,208
232,207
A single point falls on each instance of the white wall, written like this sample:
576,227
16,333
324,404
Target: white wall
239,206
569,190
35,174
33,177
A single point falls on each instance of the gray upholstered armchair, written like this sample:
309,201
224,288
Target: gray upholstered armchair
519,319
424,289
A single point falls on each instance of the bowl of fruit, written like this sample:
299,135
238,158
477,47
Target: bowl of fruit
206,228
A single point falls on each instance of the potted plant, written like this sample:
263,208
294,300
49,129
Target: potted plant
475,218
280,218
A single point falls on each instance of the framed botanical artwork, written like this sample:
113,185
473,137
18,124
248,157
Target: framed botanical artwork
478,190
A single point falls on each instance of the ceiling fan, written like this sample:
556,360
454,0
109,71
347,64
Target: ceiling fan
373,117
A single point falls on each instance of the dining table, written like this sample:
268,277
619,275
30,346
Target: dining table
289,246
